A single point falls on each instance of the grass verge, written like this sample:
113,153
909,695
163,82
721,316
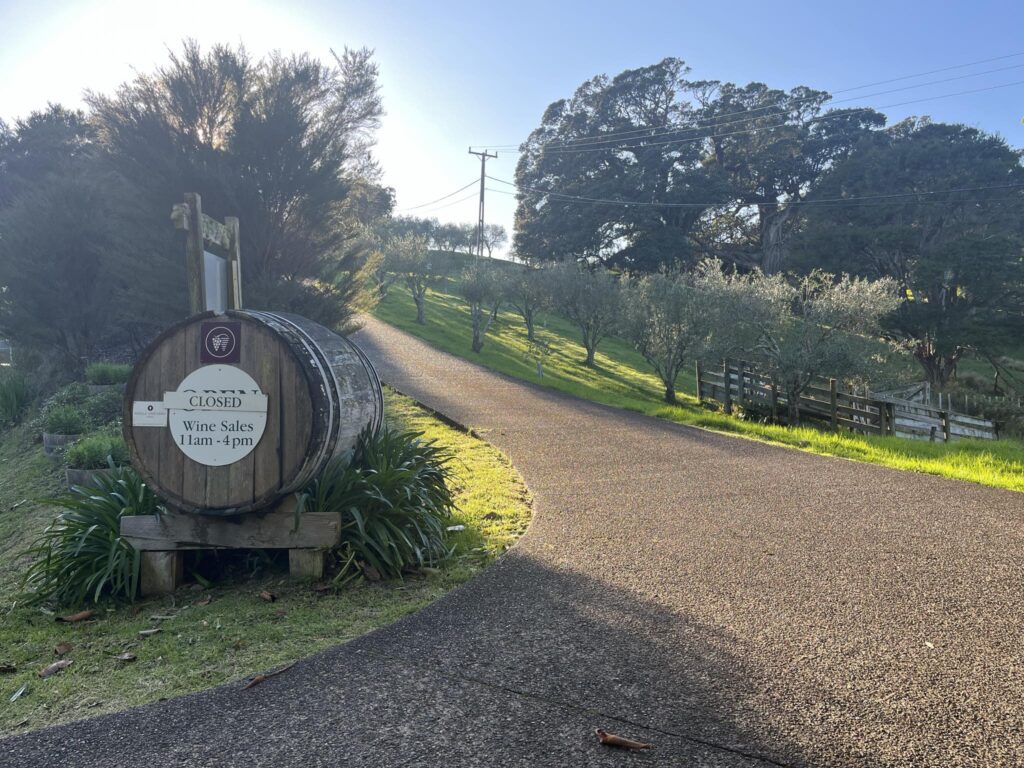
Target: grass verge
622,378
227,632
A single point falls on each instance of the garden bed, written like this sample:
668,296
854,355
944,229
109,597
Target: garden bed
216,634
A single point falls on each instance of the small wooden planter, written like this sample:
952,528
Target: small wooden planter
84,477
54,445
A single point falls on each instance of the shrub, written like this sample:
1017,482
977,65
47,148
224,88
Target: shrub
64,420
108,373
72,394
15,394
104,407
394,501
81,556
97,452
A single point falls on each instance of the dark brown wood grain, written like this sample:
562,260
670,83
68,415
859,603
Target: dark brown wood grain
299,381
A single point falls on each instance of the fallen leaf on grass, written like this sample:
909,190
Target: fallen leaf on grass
268,596
263,678
206,600
148,632
54,668
62,648
17,693
324,588
21,723
126,656
7,669
75,617
611,740
455,528
280,614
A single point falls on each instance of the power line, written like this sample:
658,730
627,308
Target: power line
847,90
453,202
721,203
860,204
823,118
654,133
450,194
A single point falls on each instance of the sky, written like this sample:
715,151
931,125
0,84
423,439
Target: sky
459,74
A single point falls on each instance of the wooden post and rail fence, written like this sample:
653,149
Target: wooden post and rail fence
740,384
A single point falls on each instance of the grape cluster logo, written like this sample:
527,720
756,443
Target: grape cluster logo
220,342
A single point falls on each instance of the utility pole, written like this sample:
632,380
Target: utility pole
483,173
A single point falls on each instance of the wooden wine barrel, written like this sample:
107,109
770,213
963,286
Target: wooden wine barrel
227,413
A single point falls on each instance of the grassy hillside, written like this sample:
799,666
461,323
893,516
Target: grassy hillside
227,632
622,378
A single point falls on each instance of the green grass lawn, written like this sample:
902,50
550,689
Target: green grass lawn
227,632
623,378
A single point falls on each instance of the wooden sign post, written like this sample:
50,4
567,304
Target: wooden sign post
207,288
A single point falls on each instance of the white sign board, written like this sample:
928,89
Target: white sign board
149,413
215,282
217,415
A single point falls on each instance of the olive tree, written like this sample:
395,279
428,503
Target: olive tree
818,325
482,288
527,292
590,298
667,319
410,258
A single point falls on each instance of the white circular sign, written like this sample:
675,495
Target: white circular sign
217,415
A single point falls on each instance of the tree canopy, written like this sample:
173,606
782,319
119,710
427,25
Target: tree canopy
950,233
649,169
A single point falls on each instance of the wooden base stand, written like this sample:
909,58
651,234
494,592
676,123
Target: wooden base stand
306,564
160,572
163,538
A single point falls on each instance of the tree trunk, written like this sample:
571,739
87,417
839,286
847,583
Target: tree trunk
793,408
420,300
938,368
773,238
528,319
670,394
589,362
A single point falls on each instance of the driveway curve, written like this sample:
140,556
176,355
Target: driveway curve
730,602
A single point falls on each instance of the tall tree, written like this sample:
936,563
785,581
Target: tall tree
949,232
767,149
281,143
627,138
64,255
64,242
45,143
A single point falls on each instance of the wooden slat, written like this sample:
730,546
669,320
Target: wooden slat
147,439
253,531
266,354
858,426
193,484
171,360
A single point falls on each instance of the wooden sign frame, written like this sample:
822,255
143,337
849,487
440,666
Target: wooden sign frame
202,230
